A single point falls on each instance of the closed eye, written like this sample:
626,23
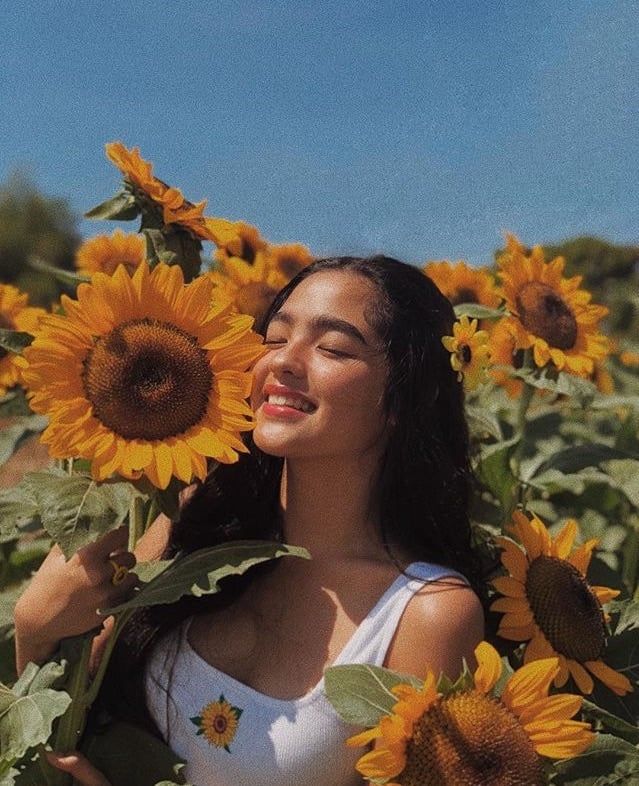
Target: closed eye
336,352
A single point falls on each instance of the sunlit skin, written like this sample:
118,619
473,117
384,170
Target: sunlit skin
322,346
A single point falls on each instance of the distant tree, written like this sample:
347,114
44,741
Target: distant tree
596,260
33,225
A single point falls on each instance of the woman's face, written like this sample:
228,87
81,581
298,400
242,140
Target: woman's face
319,391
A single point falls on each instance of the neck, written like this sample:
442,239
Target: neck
331,507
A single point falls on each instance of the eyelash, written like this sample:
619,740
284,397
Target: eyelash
335,352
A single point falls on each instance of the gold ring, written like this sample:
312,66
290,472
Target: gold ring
119,573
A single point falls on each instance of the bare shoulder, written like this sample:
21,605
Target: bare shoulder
441,625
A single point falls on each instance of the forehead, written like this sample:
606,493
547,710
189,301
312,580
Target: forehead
339,294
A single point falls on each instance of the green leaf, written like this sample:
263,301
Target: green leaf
361,693
14,340
482,421
494,470
559,383
200,572
477,311
625,473
606,761
130,756
26,720
18,511
121,207
612,723
578,457
628,614
610,402
12,435
64,276
76,510
552,481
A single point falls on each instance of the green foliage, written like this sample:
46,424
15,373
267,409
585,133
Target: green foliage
33,225
75,510
27,710
361,694
142,759
200,572
609,760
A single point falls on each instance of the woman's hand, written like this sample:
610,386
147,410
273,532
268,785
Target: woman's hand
63,597
80,768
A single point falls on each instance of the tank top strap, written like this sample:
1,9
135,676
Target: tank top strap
372,638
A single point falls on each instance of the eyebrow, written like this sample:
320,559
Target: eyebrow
323,323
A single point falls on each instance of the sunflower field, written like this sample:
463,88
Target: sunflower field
137,381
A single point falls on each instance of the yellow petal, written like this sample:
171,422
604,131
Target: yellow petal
618,683
489,667
580,676
565,539
529,683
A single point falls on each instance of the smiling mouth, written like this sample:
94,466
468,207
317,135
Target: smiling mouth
291,401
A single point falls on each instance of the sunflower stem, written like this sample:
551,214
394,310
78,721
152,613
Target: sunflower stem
136,521
71,725
520,427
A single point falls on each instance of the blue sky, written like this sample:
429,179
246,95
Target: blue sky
420,129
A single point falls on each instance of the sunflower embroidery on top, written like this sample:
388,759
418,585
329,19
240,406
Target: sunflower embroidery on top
218,722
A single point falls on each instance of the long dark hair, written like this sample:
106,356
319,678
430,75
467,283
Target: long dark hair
424,479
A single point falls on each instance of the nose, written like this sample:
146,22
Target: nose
288,359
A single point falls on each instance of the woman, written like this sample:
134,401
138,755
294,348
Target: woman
359,454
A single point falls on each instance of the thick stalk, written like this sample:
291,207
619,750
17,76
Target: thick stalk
519,493
71,725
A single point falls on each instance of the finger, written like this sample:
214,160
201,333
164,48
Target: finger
79,768
113,540
120,593
124,558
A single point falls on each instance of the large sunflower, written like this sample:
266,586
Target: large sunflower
469,352
471,738
175,209
144,375
104,253
461,283
549,603
552,315
15,314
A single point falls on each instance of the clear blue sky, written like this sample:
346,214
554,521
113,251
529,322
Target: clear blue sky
422,129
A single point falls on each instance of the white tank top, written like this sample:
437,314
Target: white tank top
231,735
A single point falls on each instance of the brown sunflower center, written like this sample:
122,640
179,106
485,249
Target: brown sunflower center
545,314
254,298
469,739
565,609
464,295
466,353
248,251
219,724
5,324
147,379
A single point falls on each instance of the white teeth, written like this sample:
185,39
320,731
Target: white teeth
287,401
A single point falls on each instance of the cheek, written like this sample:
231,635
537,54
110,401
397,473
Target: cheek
260,370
